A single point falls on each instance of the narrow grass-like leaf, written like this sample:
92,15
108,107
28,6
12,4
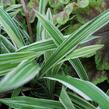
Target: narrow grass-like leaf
83,52
92,37
46,35
42,8
16,92
52,30
7,43
50,84
23,73
84,88
15,57
40,46
4,49
13,7
77,65
4,68
70,43
24,102
80,101
58,39
65,100
11,28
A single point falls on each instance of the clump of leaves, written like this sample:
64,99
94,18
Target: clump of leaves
19,64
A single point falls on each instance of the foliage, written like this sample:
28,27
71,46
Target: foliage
29,63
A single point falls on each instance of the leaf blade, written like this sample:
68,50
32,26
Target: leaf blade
23,73
78,86
70,43
29,102
65,100
11,28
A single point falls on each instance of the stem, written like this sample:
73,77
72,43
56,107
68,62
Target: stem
26,12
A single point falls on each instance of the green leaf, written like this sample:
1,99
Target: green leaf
62,18
4,49
77,65
23,73
40,46
15,57
49,84
65,100
42,8
13,7
4,68
24,102
11,28
84,89
80,101
92,37
58,38
83,3
69,8
64,1
46,35
56,4
83,52
52,30
74,39
7,43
